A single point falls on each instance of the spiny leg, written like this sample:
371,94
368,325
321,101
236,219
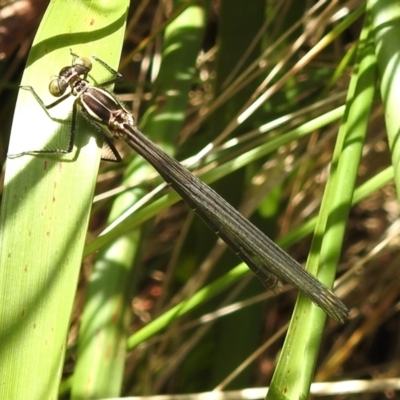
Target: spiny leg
73,55
109,145
46,110
116,75
72,131
45,107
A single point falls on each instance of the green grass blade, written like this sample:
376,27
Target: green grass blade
385,20
46,202
295,369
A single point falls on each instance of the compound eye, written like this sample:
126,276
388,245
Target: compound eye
84,62
57,87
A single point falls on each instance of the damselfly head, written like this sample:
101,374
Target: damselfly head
84,63
58,86
69,75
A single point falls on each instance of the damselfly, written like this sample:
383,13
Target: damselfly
267,260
